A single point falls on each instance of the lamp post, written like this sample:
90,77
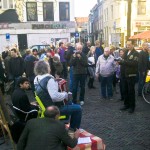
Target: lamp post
79,31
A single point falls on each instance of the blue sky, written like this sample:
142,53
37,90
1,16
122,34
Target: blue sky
83,7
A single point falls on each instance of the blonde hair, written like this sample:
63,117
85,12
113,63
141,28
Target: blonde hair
112,47
92,48
97,43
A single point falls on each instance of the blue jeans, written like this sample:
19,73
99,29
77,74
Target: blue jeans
142,77
75,112
78,78
71,79
106,86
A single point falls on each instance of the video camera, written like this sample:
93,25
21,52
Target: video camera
118,59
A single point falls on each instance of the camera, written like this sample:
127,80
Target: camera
118,59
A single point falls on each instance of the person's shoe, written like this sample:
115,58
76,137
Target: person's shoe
124,108
82,103
131,110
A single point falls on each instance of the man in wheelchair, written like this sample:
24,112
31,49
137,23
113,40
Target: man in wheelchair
47,89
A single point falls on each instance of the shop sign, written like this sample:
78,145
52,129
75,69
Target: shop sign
48,26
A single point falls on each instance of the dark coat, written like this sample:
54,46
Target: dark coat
143,62
2,72
30,60
69,54
4,54
21,101
16,66
130,63
45,134
79,65
86,49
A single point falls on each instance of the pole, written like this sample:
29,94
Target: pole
129,19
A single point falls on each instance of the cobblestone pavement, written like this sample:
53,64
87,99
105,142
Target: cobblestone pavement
119,130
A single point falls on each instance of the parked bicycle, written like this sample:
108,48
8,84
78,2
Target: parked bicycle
146,89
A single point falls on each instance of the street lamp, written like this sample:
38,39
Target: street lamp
79,31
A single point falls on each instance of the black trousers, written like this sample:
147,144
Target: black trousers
129,92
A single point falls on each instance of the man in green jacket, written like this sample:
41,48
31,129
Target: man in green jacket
47,133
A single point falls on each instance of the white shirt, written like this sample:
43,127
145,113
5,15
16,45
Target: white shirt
52,87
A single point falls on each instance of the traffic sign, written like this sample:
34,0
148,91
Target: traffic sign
76,35
7,36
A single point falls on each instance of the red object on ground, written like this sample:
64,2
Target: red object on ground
96,144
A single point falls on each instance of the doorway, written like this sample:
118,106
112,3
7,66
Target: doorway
22,42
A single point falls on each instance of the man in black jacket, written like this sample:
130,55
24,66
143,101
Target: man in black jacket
21,101
16,66
130,63
29,63
46,133
86,48
143,67
79,63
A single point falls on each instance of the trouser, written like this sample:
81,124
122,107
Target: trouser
75,112
71,79
78,78
106,86
129,97
121,85
65,71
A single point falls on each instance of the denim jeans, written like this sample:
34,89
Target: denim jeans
106,86
71,79
142,77
75,112
78,78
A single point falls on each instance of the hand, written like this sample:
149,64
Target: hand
76,134
78,55
34,103
97,76
74,55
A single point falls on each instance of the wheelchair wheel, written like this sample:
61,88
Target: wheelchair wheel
146,92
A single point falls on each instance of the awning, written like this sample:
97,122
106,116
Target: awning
143,35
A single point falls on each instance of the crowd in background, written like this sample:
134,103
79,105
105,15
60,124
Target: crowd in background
82,63
46,69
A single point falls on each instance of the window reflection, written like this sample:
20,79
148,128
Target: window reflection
64,11
31,11
48,11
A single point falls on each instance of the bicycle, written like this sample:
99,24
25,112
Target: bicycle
146,89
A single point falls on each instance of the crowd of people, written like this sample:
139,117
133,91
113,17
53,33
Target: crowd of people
83,64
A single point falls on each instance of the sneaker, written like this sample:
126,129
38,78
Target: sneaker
82,103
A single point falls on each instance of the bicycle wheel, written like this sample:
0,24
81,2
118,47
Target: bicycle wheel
146,92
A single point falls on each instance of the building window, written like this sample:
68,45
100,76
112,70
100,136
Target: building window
64,11
31,11
7,4
48,11
141,7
